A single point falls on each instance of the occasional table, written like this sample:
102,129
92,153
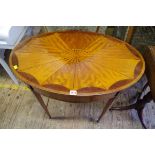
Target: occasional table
75,66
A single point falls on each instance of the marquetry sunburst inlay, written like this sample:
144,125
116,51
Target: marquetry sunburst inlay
79,61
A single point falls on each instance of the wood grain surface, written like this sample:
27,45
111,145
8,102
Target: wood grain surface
90,63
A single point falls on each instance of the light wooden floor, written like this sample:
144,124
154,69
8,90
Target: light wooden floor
20,109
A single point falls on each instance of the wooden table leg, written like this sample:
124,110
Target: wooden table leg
107,106
40,100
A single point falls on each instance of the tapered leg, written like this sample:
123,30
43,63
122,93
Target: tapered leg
40,100
107,106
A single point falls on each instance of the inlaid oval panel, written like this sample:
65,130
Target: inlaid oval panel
83,63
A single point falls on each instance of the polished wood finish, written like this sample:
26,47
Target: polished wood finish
90,63
70,98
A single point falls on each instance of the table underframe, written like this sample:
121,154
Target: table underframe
138,106
44,106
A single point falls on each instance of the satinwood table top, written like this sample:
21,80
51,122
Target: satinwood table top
77,63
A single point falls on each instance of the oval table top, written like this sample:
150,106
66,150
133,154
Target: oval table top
77,63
